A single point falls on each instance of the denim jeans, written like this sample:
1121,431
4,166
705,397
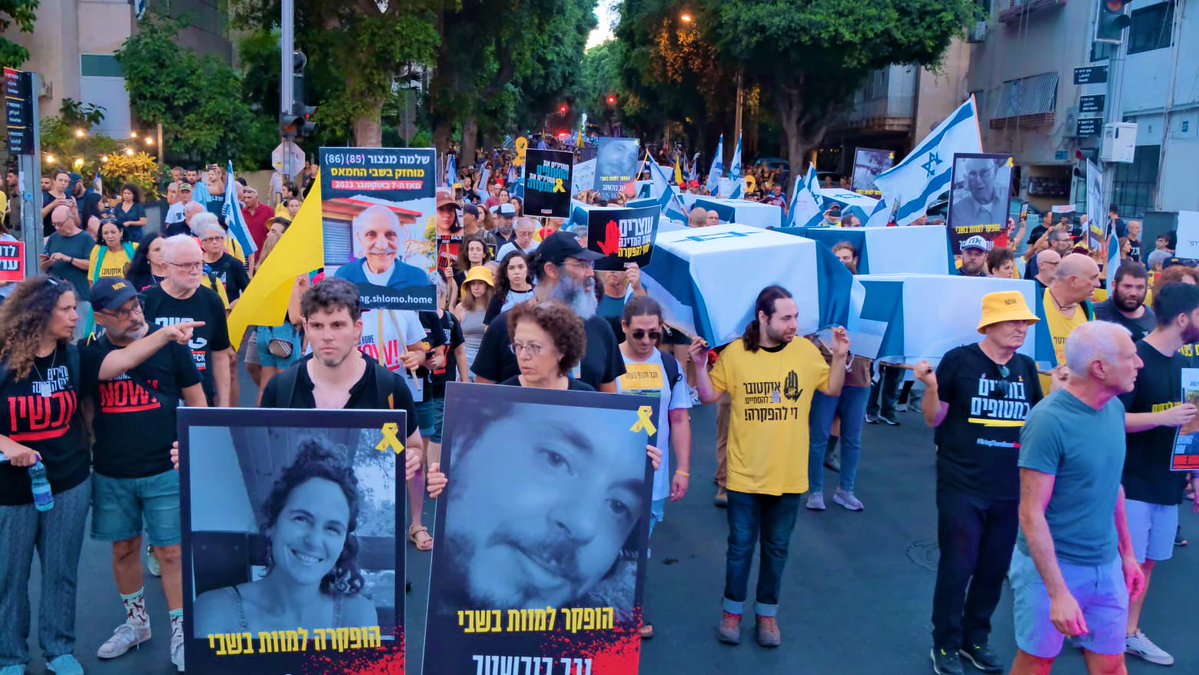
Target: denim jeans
887,385
976,537
851,406
57,535
767,520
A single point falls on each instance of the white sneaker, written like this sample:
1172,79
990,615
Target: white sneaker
177,652
847,500
1139,645
901,407
127,636
152,563
815,501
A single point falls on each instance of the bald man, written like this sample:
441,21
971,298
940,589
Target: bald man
1047,262
1065,305
378,239
698,217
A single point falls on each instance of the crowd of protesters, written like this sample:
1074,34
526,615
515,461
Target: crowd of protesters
129,321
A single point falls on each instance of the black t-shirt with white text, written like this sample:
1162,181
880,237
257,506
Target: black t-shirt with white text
1147,475
601,362
41,412
978,442
161,309
133,428
364,395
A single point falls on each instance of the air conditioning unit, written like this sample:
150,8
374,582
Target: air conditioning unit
979,32
1119,142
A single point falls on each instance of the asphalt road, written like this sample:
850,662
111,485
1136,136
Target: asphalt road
856,597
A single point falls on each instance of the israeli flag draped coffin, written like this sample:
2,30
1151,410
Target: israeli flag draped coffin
741,211
922,316
888,250
707,279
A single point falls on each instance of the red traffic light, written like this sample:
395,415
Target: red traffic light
562,110
611,100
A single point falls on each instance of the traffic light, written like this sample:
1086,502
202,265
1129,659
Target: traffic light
611,100
563,109
1113,19
298,122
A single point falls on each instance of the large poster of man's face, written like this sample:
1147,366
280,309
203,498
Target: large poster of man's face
867,164
290,556
378,206
541,531
616,165
979,196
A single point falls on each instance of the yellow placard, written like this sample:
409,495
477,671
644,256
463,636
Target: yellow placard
641,377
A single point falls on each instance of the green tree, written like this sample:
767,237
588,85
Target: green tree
22,14
810,57
356,50
198,100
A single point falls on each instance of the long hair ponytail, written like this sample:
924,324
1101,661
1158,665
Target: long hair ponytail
764,304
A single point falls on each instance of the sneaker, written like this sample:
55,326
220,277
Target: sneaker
152,563
65,664
177,652
889,421
901,407
722,498
1141,646
847,500
729,631
815,501
871,419
768,631
127,636
982,657
1178,540
945,662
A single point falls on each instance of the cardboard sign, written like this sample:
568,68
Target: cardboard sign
12,261
623,235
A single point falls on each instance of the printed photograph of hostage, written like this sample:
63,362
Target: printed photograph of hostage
378,239
547,505
979,198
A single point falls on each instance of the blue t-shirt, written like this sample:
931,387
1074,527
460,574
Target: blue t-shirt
1084,449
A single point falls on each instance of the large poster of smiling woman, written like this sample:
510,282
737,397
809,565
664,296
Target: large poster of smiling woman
290,557
541,532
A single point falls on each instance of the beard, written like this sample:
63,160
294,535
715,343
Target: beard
1126,303
579,297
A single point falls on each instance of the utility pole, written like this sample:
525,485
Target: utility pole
740,102
1113,111
287,40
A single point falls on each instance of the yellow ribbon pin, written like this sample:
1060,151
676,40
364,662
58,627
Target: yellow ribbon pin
558,186
645,420
391,439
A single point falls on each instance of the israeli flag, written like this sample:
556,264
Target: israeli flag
451,170
717,170
925,174
881,216
481,185
693,172
806,207
735,174
231,211
668,200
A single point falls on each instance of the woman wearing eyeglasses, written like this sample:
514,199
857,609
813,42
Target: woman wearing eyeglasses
977,400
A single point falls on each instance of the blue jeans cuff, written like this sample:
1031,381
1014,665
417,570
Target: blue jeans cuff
734,607
766,610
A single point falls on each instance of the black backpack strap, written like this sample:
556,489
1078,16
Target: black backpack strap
382,385
673,369
287,379
73,363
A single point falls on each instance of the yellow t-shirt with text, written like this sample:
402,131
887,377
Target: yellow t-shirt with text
771,396
1060,329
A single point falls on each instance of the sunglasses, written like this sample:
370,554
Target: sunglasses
1003,386
639,334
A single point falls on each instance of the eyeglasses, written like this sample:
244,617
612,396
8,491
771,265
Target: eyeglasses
192,266
123,314
582,264
639,334
213,238
530,348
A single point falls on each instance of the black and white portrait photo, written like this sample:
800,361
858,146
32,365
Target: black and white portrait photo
979,198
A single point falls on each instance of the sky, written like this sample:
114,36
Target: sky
606,12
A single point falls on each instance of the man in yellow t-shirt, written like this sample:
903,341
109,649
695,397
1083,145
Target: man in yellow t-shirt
770,377
1064,306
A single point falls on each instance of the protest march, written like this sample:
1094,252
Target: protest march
492,398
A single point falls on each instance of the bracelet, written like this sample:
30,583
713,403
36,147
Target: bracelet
684,474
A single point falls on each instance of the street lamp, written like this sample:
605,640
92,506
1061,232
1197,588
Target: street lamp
78,162
129,152
685,17
80,133
149,140
49,158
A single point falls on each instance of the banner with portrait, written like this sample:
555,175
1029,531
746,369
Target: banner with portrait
616,162
624,235
296,505
868,163
541,533
979,195
1186,441
547,181
378,206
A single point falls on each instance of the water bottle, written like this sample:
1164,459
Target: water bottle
43,498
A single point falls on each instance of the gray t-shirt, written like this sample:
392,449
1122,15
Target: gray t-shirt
76,246
1084,449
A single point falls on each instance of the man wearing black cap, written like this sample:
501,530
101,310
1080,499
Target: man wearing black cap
565,274
177,212
135,487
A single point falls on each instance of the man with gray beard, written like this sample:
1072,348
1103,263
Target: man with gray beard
565,273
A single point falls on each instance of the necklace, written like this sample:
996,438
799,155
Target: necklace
1060,306
42,385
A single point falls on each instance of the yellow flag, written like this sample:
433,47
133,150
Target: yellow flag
300,251
678,172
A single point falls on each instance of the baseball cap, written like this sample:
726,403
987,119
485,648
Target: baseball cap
445,199
1005,306
559,246
185,187
110,293
507,211
975,242
471,210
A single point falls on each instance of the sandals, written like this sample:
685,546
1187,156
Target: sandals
414,536
647,631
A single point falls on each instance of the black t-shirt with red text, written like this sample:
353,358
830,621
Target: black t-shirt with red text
133,428
41,412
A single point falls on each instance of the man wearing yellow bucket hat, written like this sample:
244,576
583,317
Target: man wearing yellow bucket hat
977,401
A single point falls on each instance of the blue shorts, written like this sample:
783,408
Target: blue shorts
120,507
1152,527
428,417
1099,591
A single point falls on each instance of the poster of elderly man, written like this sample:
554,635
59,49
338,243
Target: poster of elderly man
543,530
291,562
979,197
376,205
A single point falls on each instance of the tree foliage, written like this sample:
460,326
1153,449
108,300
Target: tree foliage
22,14
198,99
